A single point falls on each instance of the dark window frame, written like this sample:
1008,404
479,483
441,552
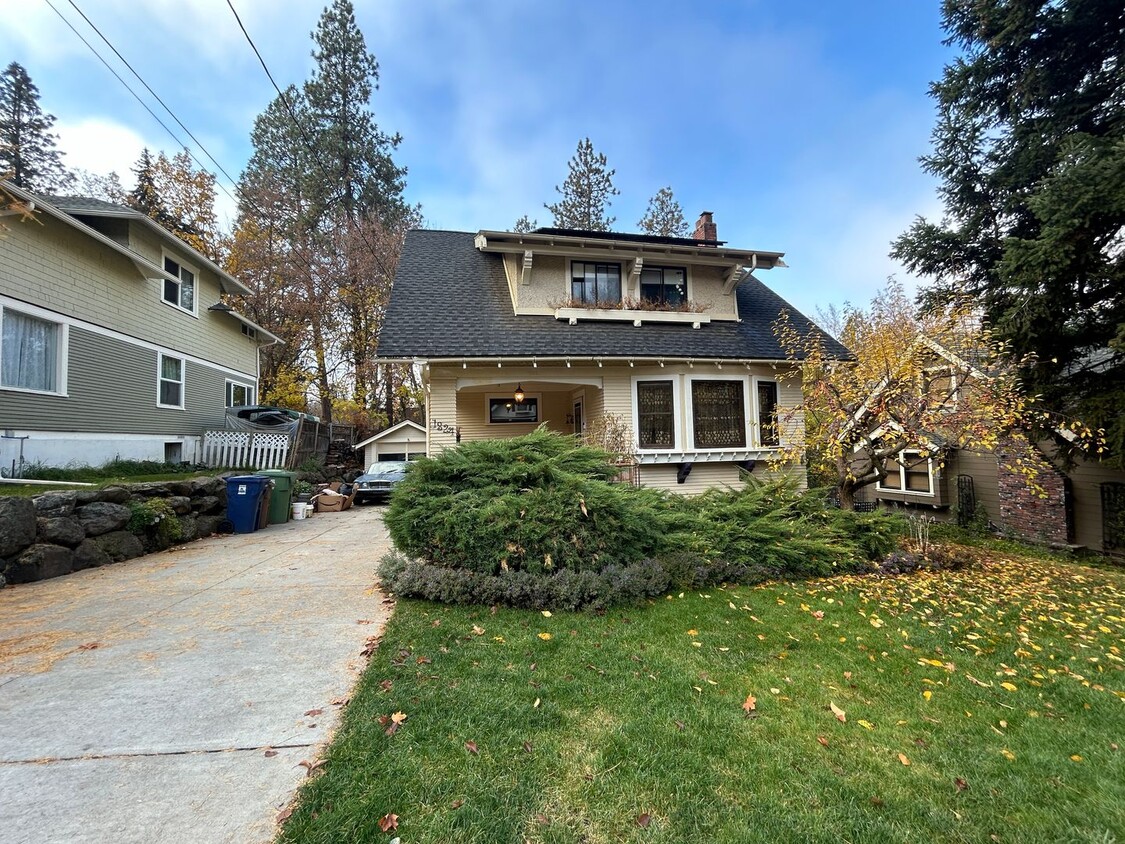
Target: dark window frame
579,285
645,419
769,429
663,284
707,419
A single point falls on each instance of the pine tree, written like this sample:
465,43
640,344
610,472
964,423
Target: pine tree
1030,149
587,192
29,155
145,197
355,171
664,217
525,224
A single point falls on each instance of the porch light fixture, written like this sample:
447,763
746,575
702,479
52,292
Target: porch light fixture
518,395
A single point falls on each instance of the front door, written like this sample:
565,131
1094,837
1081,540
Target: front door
579,420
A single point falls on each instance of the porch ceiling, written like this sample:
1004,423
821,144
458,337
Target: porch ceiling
536,384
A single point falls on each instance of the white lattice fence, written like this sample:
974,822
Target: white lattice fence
245,450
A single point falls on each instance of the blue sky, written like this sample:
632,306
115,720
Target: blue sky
798,122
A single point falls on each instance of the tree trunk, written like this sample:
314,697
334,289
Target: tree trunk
846,491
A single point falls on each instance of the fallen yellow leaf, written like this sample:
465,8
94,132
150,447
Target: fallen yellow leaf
838,712
1009,686
544,636
1075,758
927,694
1007,754
867,725
902,758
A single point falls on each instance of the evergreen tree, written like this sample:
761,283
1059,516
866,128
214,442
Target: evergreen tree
587,192
525,224
355,171
145,196
1029,146
664,217
29,155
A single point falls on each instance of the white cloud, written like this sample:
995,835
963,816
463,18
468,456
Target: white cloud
100,145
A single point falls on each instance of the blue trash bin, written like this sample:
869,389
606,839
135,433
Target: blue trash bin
244,497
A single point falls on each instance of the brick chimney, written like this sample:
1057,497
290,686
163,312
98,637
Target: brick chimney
705,228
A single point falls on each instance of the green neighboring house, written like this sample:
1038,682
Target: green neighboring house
114,340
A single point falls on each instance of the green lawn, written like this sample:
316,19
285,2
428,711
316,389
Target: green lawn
980,705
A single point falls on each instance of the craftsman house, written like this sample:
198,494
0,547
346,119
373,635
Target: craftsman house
662,348
1081,502
115,342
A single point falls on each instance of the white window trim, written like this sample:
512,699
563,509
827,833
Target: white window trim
747,411
902,490
160,377
61,357
488,399
227,393
756,380
677,414
195,273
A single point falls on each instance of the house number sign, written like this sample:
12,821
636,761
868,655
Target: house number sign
443,427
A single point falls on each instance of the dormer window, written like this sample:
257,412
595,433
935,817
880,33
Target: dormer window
595,284
664,285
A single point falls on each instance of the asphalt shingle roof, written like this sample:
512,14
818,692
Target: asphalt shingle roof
451,300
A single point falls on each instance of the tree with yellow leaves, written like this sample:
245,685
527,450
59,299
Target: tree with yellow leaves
917,386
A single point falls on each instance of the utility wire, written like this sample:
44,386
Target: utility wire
148,87
136,96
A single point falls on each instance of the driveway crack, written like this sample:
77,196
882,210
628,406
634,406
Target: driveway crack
45,760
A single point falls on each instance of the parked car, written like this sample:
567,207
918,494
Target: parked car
379,480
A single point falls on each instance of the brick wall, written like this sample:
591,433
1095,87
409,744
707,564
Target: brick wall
1035,514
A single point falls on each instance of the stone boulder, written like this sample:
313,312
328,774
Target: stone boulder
17,524
102,517
57,503
40,562
180,504
90,555
207,504
152,489
119,545
189,529
58,530
207,525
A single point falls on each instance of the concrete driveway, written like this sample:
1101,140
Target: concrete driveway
172,697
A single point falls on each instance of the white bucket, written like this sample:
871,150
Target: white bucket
299,511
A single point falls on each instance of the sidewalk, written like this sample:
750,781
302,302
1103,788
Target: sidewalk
138,701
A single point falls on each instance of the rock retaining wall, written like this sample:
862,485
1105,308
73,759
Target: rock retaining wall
68,530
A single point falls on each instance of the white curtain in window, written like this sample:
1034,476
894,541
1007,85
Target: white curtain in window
29,352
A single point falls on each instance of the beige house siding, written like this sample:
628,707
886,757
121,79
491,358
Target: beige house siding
457,406
550,285
49,264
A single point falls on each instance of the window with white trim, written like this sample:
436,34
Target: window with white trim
656,414
594,283
32,353
908,472
170,381
505,409
181,292
718,413
768,433
239,395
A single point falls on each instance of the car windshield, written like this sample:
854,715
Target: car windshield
386,466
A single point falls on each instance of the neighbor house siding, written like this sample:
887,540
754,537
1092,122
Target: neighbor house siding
983,470
112,388
49,264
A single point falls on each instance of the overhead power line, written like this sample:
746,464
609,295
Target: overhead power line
138,98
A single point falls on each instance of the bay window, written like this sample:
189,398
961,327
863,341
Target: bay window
656,415
718,413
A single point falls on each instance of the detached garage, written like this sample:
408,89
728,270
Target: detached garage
403,441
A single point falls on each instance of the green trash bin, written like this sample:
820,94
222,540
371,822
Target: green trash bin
281,497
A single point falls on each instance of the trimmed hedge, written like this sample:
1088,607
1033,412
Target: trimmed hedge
534,522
